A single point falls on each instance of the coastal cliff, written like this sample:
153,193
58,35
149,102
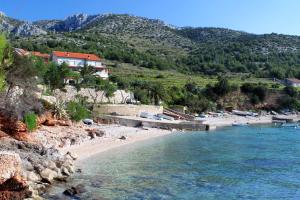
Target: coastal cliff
27,166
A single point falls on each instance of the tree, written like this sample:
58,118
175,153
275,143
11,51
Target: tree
21,81
222,87
291,91
6,59
87,71
40,66
77,111
108,89
56,75
157,92
256,92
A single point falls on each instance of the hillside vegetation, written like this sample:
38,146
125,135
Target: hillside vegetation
153,44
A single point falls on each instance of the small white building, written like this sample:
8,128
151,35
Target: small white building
292,82
76,61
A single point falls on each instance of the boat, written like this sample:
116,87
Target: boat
147,115
290,126
166,117
245,113
239,124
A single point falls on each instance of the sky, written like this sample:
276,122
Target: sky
254,16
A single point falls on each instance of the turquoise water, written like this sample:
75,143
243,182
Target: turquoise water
230,163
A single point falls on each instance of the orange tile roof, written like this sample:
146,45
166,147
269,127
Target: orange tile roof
84,56
294,80
39,54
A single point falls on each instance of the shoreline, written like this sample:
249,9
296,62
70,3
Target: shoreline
88,146
93,147
113,132
225,121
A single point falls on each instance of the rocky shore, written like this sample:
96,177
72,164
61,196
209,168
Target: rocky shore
27,164
26,169
31,161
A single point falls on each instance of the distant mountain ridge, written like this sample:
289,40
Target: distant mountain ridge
18,27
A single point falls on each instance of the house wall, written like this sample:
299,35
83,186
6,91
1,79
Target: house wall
103,73
71,62
94,63
293,84
296,84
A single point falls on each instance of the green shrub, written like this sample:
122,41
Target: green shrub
256,92
160,76
30,119
77,111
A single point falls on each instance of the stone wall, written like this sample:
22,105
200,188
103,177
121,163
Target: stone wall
128,110
120,96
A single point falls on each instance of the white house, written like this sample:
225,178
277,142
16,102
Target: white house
76,61
292,82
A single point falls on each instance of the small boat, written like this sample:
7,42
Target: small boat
166,117
290,126
239,124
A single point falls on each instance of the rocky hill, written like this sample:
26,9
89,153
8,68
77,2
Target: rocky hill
19,28
154,44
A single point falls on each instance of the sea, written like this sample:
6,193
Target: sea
249,162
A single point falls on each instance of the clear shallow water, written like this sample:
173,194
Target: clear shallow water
230,163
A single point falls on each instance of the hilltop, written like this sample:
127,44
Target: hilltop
154,44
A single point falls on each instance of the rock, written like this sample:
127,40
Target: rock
80,188
63,123
51,165
49,99
71,169
10,166
48,119
68,164
95,132
48,175
41,120
122,138
97,183
50,122
28,29
73,191
20,127
14,188
13,127
62,179
70,192
33,177
99,133
73,141
92,135
65,171
73,156
39,168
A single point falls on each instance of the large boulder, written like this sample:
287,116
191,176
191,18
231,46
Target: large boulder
11,184
48,119
10,166
15,189
48,175
13,127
